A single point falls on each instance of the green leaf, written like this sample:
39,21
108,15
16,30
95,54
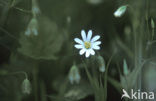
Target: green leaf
129,81
78,92
68,92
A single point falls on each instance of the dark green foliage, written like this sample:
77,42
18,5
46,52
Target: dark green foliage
37,49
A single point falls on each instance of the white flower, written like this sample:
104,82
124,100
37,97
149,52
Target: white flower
120,11
88,44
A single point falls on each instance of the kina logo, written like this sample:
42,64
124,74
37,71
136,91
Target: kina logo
137,95
125,94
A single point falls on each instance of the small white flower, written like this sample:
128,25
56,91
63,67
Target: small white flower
120,11
87,45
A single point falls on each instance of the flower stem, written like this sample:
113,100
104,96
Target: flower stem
35,80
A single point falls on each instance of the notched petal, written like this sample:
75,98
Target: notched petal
95,38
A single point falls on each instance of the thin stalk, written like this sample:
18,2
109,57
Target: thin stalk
35,81
152,33
9,34
4,14
105,81
20,72
22,10
147,23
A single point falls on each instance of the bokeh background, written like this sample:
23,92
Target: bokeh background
37,44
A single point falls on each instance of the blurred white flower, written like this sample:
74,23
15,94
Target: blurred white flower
95,1
74,75
26,86
32,28
68,19
120,11
87,45
35,10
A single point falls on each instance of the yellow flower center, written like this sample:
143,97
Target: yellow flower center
87,45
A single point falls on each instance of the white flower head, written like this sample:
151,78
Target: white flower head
88,44
120,11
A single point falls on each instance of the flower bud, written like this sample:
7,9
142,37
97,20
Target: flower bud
120,11
152,24
74,75
35,10
26,86
125,67
101,63
32,27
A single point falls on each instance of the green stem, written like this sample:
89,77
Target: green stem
105,80
20,72
35,81
152,33
147,17
22,10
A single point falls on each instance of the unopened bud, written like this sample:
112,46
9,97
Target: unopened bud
35,10
152,24
125,67
74,75
26,86
101,63
120,11
32,27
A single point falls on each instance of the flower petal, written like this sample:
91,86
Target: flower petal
89,35
92,52
95,38
96,43
96,47
78,46
87,53
83,34
82,51
77,40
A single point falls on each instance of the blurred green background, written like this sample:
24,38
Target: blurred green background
37,43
